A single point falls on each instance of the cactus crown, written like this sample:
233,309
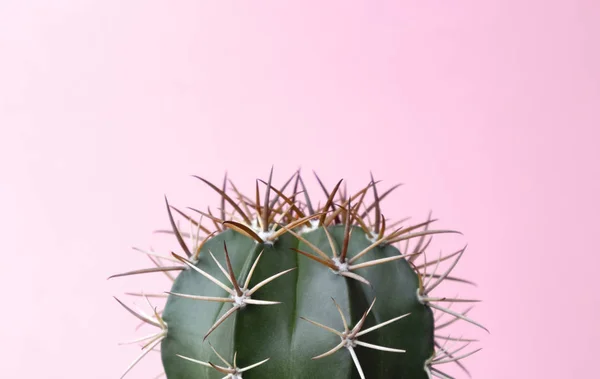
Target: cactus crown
278,287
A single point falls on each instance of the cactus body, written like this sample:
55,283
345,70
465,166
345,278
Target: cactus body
288,291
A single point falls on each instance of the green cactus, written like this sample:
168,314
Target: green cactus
281,289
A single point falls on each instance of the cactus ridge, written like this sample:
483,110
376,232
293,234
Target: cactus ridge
290,289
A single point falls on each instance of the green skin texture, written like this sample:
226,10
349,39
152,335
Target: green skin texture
258,332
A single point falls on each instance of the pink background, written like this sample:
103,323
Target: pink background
488,111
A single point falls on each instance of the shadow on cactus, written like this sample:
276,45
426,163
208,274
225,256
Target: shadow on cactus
279,287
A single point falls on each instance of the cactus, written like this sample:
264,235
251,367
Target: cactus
278,287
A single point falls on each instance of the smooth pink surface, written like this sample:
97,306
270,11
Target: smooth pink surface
488,111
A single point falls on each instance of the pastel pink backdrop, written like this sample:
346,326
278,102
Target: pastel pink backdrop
488,111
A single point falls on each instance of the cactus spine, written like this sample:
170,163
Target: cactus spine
283,289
